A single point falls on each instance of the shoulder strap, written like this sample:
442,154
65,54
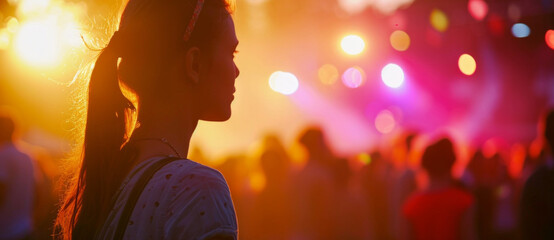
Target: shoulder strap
135,194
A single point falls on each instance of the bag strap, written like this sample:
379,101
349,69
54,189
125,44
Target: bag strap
135,194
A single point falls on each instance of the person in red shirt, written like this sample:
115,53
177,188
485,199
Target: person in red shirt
443,210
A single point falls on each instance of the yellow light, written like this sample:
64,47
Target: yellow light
4,39
257,181
29,7
328,74
352,44
400,40
364,158
13,25
439,20
467,64
37,43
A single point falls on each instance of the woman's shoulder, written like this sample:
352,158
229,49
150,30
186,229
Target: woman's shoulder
187,172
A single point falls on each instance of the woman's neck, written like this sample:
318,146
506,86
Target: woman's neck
163,132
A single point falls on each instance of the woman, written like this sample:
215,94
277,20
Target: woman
175,58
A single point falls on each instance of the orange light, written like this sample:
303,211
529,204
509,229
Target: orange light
328,74
549,38
400,40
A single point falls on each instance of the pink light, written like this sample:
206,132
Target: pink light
478,9
384,122
353,77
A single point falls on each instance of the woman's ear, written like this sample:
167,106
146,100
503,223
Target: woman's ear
192,64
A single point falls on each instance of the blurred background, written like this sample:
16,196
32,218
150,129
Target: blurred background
369,73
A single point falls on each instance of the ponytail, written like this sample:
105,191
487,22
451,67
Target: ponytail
102,165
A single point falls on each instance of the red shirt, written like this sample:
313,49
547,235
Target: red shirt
437,214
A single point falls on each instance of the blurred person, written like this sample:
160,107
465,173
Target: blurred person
177,59
17,185
314,189
480,179
375,176
403,180
537,202
442,211
273,205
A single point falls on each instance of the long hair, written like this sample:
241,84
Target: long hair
150,30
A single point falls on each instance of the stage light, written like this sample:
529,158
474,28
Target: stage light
439,20
400,40
549,38
478,9
283,82
520,30
37,43
467,64
353,77
353,44
384,122
392,75
328,74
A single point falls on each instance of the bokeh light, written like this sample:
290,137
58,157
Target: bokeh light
392,75
400,40
521,30
353,77
478,9
257,181
328,74
384,122
352,44
37,43
4,39
496,24
13,25
283,82
467,64
439,20
549,38
364,158
514,12
352,6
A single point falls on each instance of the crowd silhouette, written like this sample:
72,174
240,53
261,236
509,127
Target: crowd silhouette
405,190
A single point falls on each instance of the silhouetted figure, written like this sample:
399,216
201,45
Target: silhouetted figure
442,211
314,189
537,204
176,61
274,203
17,186
375,176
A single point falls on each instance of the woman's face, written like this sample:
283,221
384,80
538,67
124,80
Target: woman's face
217,76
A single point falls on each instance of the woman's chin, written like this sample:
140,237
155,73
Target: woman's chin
217,117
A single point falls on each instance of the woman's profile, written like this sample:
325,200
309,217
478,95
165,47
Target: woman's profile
176,58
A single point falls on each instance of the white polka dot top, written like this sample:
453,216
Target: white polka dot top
183,200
